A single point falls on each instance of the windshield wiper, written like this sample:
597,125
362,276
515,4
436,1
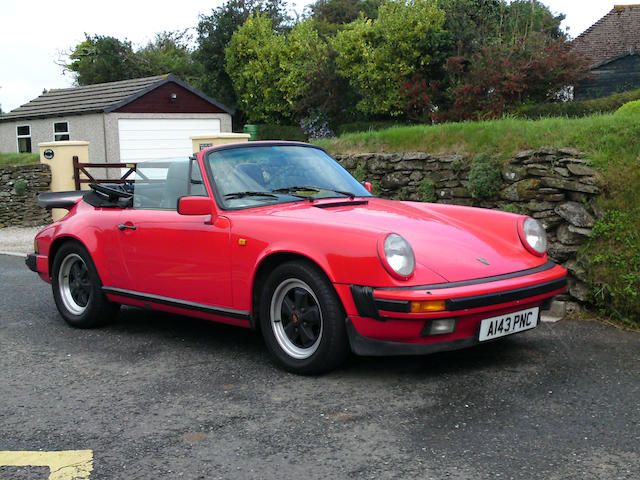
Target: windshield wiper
300,188
290,190
235,195
346,194
312,188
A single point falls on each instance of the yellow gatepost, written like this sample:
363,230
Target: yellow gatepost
210,139
59,157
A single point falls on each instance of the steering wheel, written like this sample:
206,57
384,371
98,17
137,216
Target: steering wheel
110,192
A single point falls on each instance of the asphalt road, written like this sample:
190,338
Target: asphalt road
159,396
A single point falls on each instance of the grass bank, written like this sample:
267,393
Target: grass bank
19,158
611,142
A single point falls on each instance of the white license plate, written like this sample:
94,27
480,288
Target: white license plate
502,325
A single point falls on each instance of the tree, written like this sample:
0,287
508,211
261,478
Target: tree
100,59
269,70
343,11
214,34
169,52
500,55
524,17
375,55
331,16
470,24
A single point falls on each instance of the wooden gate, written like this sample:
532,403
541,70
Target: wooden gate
80,168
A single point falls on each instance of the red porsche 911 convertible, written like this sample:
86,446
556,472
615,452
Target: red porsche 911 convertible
277,236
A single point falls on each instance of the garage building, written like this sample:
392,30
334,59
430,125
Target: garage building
127,121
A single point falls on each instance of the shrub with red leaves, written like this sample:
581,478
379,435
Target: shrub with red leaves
502,76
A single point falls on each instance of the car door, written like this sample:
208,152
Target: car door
177,257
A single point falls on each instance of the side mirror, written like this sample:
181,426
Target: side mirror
195,206
368,186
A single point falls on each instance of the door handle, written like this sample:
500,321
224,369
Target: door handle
122,227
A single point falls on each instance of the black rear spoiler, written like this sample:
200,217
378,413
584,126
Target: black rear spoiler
66,200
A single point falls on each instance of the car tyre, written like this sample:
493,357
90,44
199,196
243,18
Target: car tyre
77,289
302,319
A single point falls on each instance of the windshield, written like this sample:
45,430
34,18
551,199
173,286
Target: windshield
254,176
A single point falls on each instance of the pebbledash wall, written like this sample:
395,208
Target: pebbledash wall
19,189
555,186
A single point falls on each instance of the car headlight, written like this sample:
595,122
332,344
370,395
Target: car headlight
397,256
533,236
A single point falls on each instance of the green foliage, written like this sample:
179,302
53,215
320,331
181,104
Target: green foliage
471,23
612,261
629,108
427,190
485,179
375,54
269,70
365,126
402,194
303,51
99,59
169,52
525,16
608,139
339,12
20,186
360,173
19,158
459,164
281,132
513,208
215,32
495,55
353,60
579,108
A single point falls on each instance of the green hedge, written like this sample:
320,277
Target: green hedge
281,132
578,109
294,132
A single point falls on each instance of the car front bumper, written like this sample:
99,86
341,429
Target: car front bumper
380,321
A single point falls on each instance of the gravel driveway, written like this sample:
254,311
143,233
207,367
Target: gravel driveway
17,240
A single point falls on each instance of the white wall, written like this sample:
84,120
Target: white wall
100,130
88,128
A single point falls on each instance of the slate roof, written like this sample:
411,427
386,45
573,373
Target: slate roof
614,35
98,98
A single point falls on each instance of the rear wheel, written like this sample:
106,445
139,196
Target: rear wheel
302,319
77,288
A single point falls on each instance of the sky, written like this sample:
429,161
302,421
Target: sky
34,34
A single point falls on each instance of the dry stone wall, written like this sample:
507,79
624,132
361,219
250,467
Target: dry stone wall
555,186
19,189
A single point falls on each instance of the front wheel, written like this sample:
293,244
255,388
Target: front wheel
77,289
302,319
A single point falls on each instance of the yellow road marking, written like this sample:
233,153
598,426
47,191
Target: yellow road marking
64,465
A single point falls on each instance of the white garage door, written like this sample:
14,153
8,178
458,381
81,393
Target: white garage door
144,139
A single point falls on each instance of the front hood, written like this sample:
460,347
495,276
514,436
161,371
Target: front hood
457,243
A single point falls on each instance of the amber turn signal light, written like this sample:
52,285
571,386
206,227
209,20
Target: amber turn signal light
427,306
